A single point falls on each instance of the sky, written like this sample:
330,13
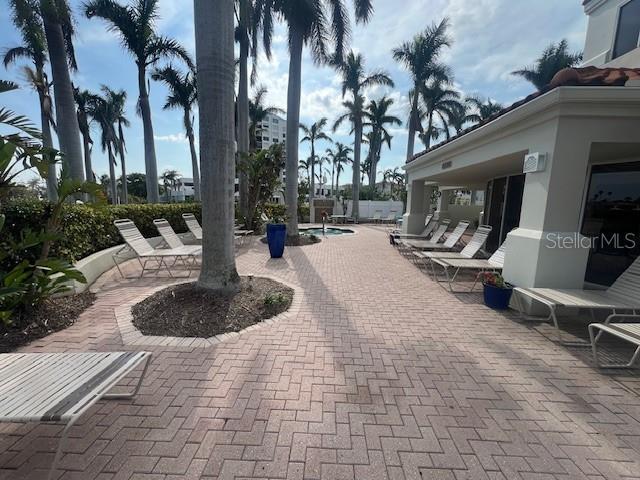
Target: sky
491,39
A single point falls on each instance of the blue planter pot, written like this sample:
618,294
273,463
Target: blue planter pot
276,237
497,298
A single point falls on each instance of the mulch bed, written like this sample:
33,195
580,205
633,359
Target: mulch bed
299,241
52,315
187,310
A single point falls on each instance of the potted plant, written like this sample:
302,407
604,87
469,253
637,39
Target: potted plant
276,236
497,292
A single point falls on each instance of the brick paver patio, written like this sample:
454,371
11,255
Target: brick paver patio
381,375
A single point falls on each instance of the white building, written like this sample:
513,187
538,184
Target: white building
585,188
271,131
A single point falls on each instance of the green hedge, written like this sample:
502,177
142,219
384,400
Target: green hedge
86,230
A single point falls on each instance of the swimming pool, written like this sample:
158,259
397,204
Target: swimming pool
327,231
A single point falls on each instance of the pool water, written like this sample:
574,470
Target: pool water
327,231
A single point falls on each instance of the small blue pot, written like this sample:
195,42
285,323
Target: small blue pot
276,237
497,298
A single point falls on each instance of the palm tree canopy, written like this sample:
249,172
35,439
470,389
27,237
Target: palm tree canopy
315,132
485,108
354,78
421,55
108,110
258,111
377,117
318,21
553,59
135,25
183,93
26,19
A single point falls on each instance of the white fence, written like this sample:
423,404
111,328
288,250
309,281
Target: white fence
368,208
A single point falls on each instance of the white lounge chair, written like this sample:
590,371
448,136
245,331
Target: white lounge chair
448,245
495,263
623,295
429,225
377,216
629,332
391,218
405,245
60,387
145,253
193,225
470,250
171,239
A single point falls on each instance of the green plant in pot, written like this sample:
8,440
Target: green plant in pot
497,292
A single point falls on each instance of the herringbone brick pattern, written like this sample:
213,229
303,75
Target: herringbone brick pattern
382,375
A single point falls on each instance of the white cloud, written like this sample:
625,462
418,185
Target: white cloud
172,138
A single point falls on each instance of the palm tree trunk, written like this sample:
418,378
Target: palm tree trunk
66,118
427,143
243,124
214,28
293,126
88,167
333,172
412,125
355,189
125,193
312,185
151,166
194,158
112,177
47,142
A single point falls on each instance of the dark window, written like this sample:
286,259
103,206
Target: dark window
612,220
628,34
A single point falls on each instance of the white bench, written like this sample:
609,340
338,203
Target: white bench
60,387
629,332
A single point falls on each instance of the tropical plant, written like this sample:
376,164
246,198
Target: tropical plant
339,157
484,108
421,57
34,48
310,23
216,62
106,110
306,165
440,101
355,81
83,111
58,27
313,134
263,172
171,181
377,117
553,59
183,94
258,112
135,25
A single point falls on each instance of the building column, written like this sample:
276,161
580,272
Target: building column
413,219
547,249
443,204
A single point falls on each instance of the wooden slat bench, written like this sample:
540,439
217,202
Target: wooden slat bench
60,387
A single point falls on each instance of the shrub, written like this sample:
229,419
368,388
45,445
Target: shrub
85,230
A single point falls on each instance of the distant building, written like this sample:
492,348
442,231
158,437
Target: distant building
272,131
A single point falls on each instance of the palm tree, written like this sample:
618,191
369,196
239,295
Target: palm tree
306,165
83,107
170,181
421,57
183,94
103,109
58,27
258,112
377,117
119,100
485,108
34,48
135,25
553,59
215,78
313,134
311,23
442,102
355,81
339,157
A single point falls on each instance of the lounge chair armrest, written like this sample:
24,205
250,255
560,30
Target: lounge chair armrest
621,317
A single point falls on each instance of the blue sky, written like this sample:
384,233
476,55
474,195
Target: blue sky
491,39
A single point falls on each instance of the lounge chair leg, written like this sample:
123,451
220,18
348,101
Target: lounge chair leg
594,340
128,395
63,439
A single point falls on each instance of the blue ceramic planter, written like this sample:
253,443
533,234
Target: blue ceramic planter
276,237
497,298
